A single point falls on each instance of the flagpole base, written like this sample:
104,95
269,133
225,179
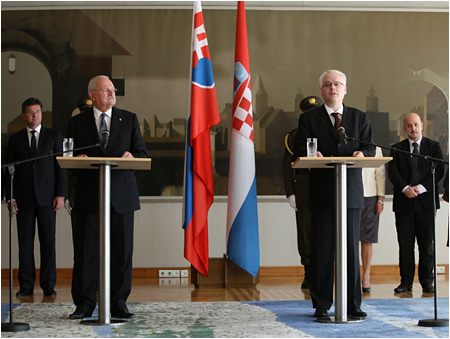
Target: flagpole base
223,273
237,277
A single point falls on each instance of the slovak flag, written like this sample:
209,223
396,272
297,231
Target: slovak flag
198,179
242,216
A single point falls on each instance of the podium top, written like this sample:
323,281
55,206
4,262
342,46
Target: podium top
93,162
327,162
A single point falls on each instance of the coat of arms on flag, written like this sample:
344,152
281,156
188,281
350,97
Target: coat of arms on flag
198,181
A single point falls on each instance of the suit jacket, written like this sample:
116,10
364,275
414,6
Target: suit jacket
399,172
125,135
374,179
44,176
316,123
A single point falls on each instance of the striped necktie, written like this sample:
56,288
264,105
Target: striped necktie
103,127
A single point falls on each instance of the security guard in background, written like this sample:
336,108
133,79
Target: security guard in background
296,186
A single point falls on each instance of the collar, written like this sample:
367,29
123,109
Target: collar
340,110
418,142
37,129
98,114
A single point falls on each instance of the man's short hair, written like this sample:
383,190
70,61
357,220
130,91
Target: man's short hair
30,102
93,82
333,71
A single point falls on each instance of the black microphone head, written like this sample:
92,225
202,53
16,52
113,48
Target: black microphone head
342,135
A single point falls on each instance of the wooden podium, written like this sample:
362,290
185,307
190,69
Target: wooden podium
340,166
104,165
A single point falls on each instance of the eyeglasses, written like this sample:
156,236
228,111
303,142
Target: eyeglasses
33,112
336,84
106,90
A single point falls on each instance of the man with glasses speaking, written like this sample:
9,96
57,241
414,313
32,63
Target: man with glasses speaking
328,123
120,135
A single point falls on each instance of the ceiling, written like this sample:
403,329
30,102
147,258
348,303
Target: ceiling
421,6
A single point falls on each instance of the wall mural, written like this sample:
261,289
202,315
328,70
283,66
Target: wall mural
396,62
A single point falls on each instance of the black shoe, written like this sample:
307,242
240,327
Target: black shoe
358,313
403,288
80,314
122,313
50,293
366,289
428,289
305,284
24,293
321,313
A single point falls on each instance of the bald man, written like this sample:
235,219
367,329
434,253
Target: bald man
413,203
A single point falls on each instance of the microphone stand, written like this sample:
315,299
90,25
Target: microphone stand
12,326
434,161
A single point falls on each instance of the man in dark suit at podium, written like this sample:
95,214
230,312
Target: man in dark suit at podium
120,134
322,123
413,203
39,190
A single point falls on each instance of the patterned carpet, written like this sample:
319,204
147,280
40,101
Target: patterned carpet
387,318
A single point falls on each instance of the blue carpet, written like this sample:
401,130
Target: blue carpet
387,318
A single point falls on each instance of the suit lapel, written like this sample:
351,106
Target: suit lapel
25,142
42,140
347,119
116,119
91,127
326,121
404,146
424,150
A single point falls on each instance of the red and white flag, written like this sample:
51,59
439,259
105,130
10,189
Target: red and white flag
198,180
242,216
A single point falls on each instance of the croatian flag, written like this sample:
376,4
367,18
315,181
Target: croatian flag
198,180
242,216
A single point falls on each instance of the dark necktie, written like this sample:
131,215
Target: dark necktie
103,127
337,120
33,143
415,166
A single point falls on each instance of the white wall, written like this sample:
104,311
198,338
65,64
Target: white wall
159,238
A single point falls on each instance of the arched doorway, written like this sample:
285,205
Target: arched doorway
31,79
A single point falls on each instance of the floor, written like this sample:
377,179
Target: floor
269,288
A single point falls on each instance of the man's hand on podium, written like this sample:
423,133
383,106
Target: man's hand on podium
358,154
127,155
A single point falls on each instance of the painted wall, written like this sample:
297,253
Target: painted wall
159,238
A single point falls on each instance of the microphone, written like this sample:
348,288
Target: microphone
342,135
104,139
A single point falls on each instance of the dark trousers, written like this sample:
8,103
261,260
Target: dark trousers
86,254
303,218
26,230
322,258
415,223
